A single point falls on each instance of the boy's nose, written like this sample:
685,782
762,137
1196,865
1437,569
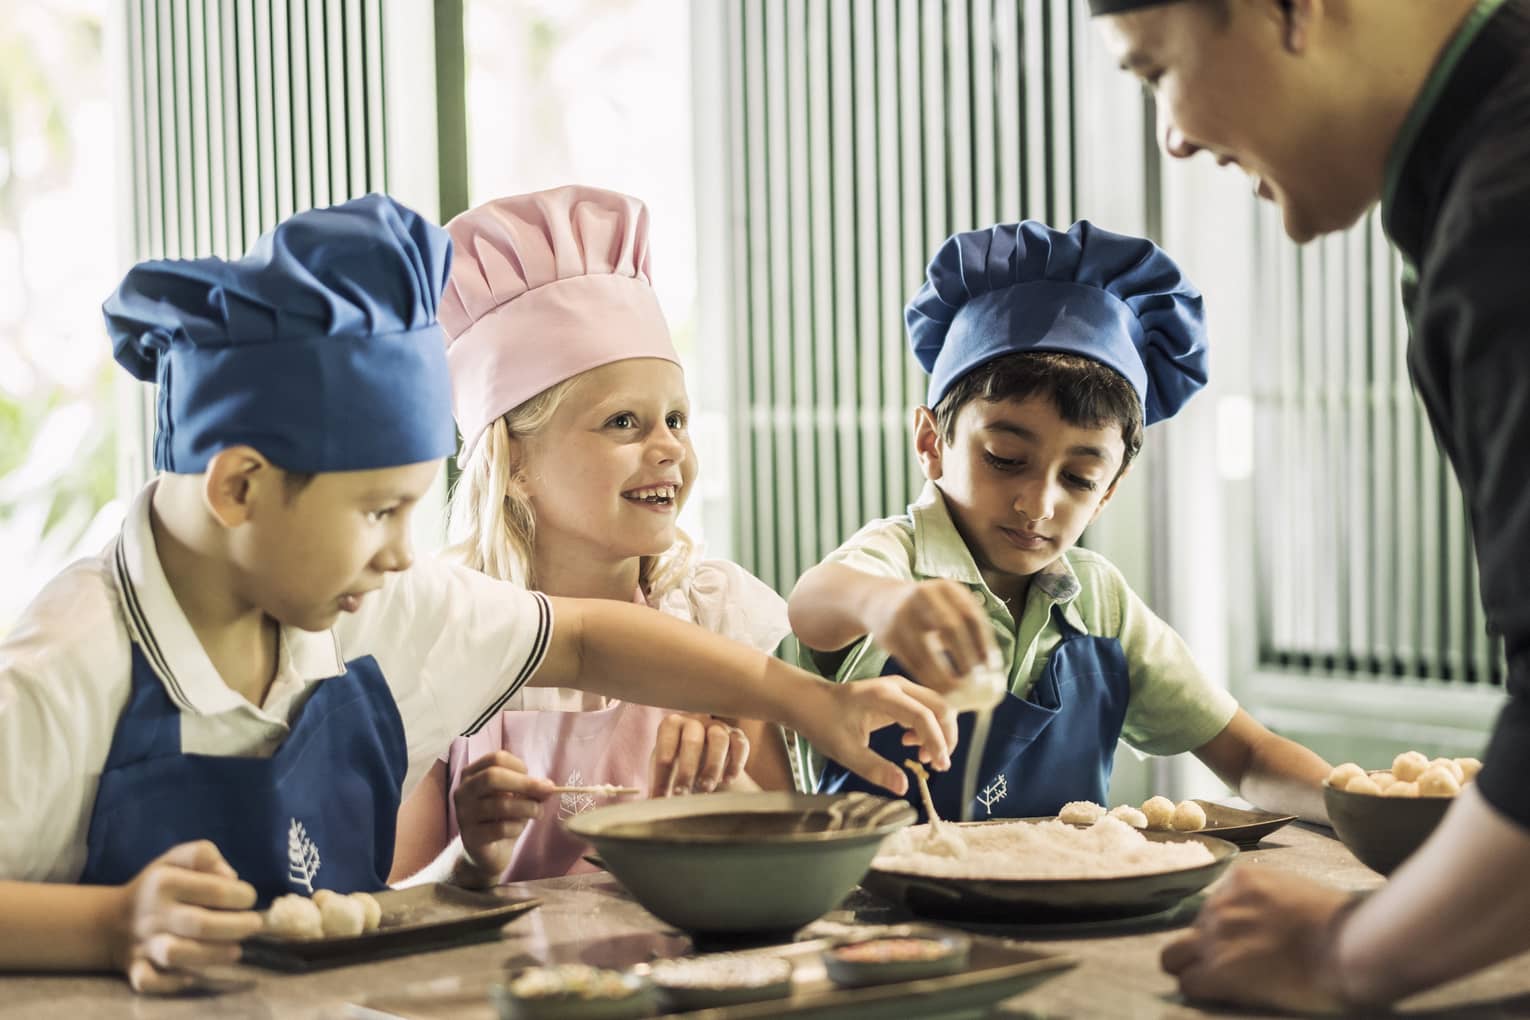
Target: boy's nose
396,555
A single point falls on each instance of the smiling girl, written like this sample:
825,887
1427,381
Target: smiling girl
576,462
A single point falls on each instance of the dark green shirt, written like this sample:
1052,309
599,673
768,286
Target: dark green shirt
1457,206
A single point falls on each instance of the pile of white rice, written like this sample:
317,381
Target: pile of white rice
1030,850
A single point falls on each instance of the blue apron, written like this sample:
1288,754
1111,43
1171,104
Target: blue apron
1056,745
319,814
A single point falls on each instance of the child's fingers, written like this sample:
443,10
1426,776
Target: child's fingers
498,779
715,756
172,952
198,889
927,662
211,925
738,754
693,739
198,855
920,710
874,768
500,807
950,626
981,629
494,760
667,742
480,834
147,979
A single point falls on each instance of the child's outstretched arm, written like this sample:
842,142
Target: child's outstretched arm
1266,769
633,653
184,911
935,628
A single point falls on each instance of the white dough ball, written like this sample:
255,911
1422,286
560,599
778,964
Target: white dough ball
1449,765
1159,812
370,908
1409,765
1383,779
1469,768
1438,782
1363,784
1081,812
294,917
1189,816
1130,815
1341,775
1401,788
342,916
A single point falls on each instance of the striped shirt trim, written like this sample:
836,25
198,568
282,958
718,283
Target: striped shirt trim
143,633
533,660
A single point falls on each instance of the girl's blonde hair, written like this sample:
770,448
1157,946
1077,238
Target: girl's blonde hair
490,523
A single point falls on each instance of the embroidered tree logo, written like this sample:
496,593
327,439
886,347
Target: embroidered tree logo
302,857
571,804
994,792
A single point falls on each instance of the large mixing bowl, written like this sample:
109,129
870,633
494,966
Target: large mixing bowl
741,863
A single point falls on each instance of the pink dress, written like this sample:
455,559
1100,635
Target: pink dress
580,739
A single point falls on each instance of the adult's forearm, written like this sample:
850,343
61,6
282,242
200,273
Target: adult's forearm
1462,896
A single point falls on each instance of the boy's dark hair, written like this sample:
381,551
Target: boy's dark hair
1087,394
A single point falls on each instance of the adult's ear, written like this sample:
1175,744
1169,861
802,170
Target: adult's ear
234,481
929,445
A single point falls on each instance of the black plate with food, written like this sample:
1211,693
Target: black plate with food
1049,900
415,920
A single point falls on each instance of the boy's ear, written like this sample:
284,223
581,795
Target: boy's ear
234,478
1109,493
927,443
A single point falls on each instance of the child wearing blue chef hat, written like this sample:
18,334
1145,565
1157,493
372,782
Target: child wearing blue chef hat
1048,352
228,703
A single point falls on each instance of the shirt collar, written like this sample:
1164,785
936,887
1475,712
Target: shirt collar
1422,156
940,551
160,628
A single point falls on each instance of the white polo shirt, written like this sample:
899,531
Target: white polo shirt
453,644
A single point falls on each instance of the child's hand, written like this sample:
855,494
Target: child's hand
696,754
842,728
185,910
494,800
936,629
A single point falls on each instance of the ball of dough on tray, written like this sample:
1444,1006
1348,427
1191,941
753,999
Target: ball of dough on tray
342,916
294,917
1159,812
1081,812
1189,816
370,908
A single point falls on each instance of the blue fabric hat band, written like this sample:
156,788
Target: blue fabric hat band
310,405
1044,315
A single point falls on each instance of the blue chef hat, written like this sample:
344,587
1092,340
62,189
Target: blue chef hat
319,348
1018,287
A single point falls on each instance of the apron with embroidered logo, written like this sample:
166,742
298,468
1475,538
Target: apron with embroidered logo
1054,746
320,813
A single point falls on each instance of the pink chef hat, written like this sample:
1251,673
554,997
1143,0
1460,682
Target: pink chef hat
543,287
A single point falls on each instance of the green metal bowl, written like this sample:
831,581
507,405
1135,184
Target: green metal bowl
729,864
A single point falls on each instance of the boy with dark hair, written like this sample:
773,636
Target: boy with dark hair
1048,352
